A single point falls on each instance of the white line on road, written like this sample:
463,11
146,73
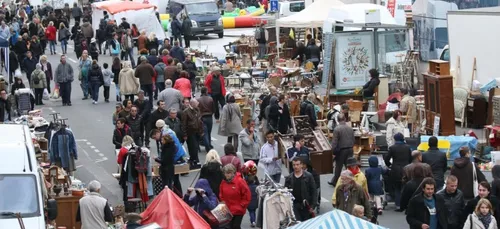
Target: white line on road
324,200
70,59
81,140
92,147
97,151
101,155
84,151
79,166
88,143
214,139
101,160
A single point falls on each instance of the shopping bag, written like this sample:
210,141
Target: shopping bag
46,95
222,214
55,93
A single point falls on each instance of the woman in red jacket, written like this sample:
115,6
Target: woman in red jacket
234,192
183,84
50,33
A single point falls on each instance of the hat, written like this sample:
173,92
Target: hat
352,161
124,19
160,123
92,40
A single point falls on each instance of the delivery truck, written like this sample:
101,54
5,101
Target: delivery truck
474,33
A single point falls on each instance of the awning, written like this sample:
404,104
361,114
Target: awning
336,219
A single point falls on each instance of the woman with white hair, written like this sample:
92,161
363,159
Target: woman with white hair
38,82
129,84
47,69
212,171
152,42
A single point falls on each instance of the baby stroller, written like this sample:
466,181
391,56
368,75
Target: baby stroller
388,189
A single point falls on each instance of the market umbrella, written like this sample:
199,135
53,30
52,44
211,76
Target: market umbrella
171,212
336,219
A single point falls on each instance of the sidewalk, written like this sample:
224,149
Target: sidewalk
236,32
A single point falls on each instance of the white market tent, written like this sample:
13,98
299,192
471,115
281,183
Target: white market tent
312,16
143,15
356,14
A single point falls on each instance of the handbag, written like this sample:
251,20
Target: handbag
210,218
475,185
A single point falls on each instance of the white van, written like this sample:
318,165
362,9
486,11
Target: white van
20,182
288,8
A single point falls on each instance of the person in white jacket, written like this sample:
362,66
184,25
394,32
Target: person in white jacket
269,158
394,126
482,217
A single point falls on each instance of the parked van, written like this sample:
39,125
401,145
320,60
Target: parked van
204,15
288,8
21,184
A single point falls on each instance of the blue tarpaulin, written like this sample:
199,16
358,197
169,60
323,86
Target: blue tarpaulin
456,143
336,219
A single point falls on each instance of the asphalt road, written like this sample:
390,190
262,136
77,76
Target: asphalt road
93,131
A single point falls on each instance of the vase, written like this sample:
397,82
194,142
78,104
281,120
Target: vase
57,189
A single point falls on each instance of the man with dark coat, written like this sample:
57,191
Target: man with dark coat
29,64
144,111
427,210
400,153
145,72
437,160
76,12
125,25
176,27
342,143
178,52
453,201
408,170
464,171
186,30
304,190
134,122
4,106
192,128
307,108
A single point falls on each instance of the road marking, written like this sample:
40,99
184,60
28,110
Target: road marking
70,59
324,200
214,139
88,143
100,160
79,166
102,155
97,151
81,140
92,147
84,151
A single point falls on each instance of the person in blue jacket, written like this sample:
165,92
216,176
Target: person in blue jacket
373,176
204,198
298,150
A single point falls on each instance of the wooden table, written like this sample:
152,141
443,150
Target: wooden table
340,98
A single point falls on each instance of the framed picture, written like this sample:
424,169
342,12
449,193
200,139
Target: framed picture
354,57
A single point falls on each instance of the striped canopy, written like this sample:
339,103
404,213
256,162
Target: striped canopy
336,219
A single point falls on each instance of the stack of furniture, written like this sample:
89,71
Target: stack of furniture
439,100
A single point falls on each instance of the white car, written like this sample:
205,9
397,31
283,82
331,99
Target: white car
288,8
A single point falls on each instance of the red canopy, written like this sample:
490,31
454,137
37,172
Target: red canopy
171,212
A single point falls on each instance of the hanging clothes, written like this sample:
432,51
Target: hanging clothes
275,206
139,174
63,149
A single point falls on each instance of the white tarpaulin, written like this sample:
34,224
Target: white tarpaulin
312,16
143,15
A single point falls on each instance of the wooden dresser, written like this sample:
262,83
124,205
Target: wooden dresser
67,207
439,101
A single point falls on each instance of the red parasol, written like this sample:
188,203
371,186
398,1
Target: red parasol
171,212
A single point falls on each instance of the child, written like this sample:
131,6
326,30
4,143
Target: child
107,74
359,211
373,177
253,182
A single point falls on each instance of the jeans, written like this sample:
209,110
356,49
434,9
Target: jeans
95,90
397,193
64,46
193,86
262,51
52,47
117,90
276,178
65,91
148,91
38,96
251,213
341,160
207,130
160,86
106,93
218,99
193,145
84,84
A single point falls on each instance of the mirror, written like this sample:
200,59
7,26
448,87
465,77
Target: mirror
51,209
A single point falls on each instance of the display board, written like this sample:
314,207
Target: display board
328,39
354,57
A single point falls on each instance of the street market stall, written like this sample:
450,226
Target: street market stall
336,219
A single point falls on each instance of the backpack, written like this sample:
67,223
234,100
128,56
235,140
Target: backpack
36,79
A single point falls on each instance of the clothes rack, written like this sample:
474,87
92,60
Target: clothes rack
279,200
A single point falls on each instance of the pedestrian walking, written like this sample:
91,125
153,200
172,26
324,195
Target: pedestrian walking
93,210
374,178
186,30
64,77
482,218
116,68
96,80
400,155
84,66
38,83
50,33
467,172
216,89
47,69
230,122
343,141
417,161
129,84
426,209
206,107
234,192
437,160
76,12
453,201
145,73
250,143
107,74
269,157
192,130
354,192
304,190
484,192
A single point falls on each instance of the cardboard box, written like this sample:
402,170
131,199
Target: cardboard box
181,168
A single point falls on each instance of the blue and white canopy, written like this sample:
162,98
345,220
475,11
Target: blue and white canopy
336,219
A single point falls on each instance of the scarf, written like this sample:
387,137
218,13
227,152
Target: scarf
485,219
354,170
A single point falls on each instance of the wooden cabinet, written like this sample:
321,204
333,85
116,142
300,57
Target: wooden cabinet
439,101
67,206
476,112
439,67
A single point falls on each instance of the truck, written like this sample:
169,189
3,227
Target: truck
471,34
21,182
204,14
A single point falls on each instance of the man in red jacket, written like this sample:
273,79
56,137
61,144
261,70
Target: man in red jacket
216,89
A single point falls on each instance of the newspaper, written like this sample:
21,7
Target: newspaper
222,213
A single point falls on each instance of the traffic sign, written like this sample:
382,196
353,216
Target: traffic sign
274,5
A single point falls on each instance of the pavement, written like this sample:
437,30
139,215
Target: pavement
93,131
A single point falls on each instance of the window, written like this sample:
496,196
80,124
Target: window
445,55
395,42
202,8
297,6
441,37
13,201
